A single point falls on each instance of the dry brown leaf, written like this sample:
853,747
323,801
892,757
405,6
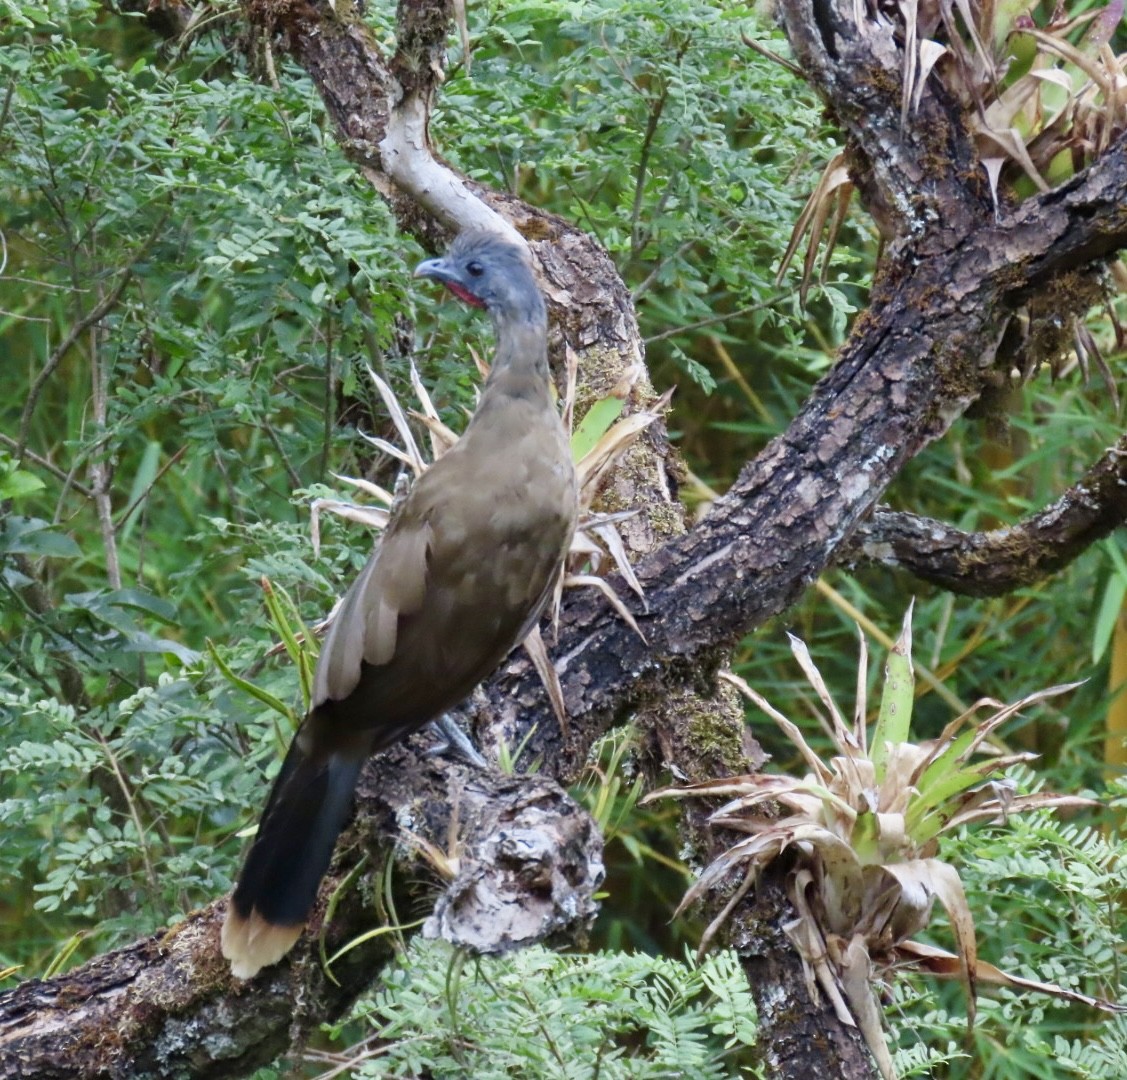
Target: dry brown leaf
609,535
842,737
834,183
612,444
856,979
788,729
947,965
410,454
538,654
372,516
615,602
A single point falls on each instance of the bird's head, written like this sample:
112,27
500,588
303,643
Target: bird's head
487,271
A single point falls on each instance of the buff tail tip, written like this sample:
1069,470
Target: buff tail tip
251,943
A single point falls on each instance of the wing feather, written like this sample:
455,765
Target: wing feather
393,583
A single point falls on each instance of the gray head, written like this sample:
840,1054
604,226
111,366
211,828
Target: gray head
486,270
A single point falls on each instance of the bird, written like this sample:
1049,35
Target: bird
460,576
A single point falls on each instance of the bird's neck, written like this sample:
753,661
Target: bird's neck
520,364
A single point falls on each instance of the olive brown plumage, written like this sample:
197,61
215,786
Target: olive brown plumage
460,576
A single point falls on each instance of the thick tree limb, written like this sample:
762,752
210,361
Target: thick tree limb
910,368
921,178
168,1007
1001,560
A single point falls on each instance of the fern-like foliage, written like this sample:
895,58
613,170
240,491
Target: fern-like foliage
537,1014
1047,898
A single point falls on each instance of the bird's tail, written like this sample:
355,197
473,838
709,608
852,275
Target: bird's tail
304,815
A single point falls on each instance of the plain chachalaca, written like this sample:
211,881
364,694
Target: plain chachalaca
460,576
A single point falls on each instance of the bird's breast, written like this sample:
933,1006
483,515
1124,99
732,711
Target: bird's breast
513,514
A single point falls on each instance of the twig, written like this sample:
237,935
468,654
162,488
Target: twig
69,480
6,108
648,280
48,466
91,319
127,793
713,319
125,515
774,57
35,603
272,435
652,121
97,313
367,332
100,471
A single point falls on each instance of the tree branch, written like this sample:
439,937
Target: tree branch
167,1006
47,466
999,561
911,367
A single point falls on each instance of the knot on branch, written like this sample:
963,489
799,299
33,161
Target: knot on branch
530,862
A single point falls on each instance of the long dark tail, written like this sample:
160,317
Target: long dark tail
304,815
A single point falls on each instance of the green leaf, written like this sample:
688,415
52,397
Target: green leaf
141,642
31,536
18,483
1111,546
250,688
894,720
594,425
940,780
156,606
143,479
288,623
113,607
1111,605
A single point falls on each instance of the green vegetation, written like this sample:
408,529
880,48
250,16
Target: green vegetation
614,1015
192,280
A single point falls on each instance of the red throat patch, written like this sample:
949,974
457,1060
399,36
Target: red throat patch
464,294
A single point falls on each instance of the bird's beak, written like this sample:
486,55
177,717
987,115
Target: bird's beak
433,268
441,270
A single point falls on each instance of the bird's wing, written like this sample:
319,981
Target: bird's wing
396,588
392,583
461,574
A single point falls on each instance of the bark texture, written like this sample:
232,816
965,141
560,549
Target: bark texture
168,1007
955,271
999,561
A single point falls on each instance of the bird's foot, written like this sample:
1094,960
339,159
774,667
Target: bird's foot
456,742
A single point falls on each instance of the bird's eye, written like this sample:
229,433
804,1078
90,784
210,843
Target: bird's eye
475,269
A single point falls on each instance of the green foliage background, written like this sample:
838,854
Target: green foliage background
249,276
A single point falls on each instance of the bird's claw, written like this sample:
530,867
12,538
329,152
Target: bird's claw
456,742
